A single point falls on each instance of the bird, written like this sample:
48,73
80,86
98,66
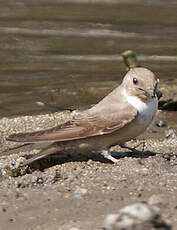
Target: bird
120,116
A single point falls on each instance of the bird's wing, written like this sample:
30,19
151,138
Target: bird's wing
84,125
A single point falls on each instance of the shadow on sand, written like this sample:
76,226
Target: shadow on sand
56,159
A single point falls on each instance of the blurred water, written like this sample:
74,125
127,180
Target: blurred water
68,53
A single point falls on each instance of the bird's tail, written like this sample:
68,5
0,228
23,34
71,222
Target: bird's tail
51,149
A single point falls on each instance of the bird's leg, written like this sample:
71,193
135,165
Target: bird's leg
143,144
133,149
125,146
106,153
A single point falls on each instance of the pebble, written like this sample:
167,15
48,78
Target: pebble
161,123
79,192
110,221
170,134
135,217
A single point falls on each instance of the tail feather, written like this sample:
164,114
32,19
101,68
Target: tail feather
43,153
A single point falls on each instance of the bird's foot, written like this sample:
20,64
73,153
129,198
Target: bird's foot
106,153
133,149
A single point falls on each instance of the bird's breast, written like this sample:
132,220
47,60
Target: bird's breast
146,111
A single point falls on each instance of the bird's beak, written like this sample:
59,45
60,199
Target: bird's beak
158,93
151,92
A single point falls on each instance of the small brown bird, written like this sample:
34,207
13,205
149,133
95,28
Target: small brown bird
122,115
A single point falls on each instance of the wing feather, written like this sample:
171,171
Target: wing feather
85,124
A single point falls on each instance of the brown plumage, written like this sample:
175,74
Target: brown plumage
114,120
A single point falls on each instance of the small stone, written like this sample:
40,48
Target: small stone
171,134
4,209
139,216
141,211
109,221
11,219
161,123
79,192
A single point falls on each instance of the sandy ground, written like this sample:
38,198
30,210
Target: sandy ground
80,190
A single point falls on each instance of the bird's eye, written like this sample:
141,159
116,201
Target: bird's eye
135,81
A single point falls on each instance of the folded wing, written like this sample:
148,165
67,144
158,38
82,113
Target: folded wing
85,124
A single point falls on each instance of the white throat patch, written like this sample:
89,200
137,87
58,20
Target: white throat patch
146,110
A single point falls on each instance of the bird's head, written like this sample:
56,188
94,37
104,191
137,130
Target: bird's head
140,82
